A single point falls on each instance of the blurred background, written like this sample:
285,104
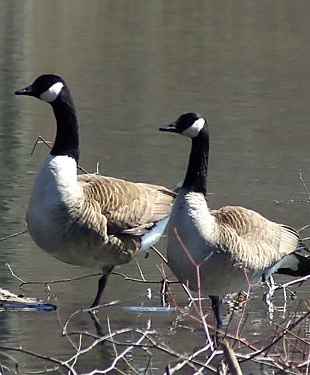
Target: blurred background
133,66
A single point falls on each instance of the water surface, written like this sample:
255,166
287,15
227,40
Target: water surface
132,67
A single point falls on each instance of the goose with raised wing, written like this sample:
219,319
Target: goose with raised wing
226,250
88,220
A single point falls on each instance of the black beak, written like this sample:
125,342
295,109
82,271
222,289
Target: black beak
25,91
169,128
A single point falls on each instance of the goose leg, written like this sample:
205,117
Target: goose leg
101,286
216,310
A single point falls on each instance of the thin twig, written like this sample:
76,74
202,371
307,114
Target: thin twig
159,254
304,186
231,360
40,356
139,269
143,281
23,282
292,282
13,235
40,139
278,338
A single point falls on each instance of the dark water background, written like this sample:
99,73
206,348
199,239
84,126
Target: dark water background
133,66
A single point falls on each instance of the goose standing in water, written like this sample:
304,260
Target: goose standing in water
88,220
225,250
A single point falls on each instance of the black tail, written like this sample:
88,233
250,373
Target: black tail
295,265
302,247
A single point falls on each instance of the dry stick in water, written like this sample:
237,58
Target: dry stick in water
189,360
116,352
277,339
40,356
154,344
118,356
297,339
231,360
183,359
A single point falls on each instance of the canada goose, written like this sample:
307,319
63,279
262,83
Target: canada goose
225,250
88,220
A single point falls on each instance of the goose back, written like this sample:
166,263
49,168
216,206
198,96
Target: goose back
125,204
253,241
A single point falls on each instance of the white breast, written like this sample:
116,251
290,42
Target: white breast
54,190
190,229
193,254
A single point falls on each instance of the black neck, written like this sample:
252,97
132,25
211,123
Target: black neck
197,170
67,134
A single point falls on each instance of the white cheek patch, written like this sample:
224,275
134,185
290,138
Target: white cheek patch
51,94
194,129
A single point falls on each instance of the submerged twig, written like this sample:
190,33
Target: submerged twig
13,235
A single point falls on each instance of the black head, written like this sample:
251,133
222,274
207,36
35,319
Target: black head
46,87
189,124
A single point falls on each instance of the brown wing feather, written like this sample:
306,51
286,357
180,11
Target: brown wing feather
127,204
253,240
